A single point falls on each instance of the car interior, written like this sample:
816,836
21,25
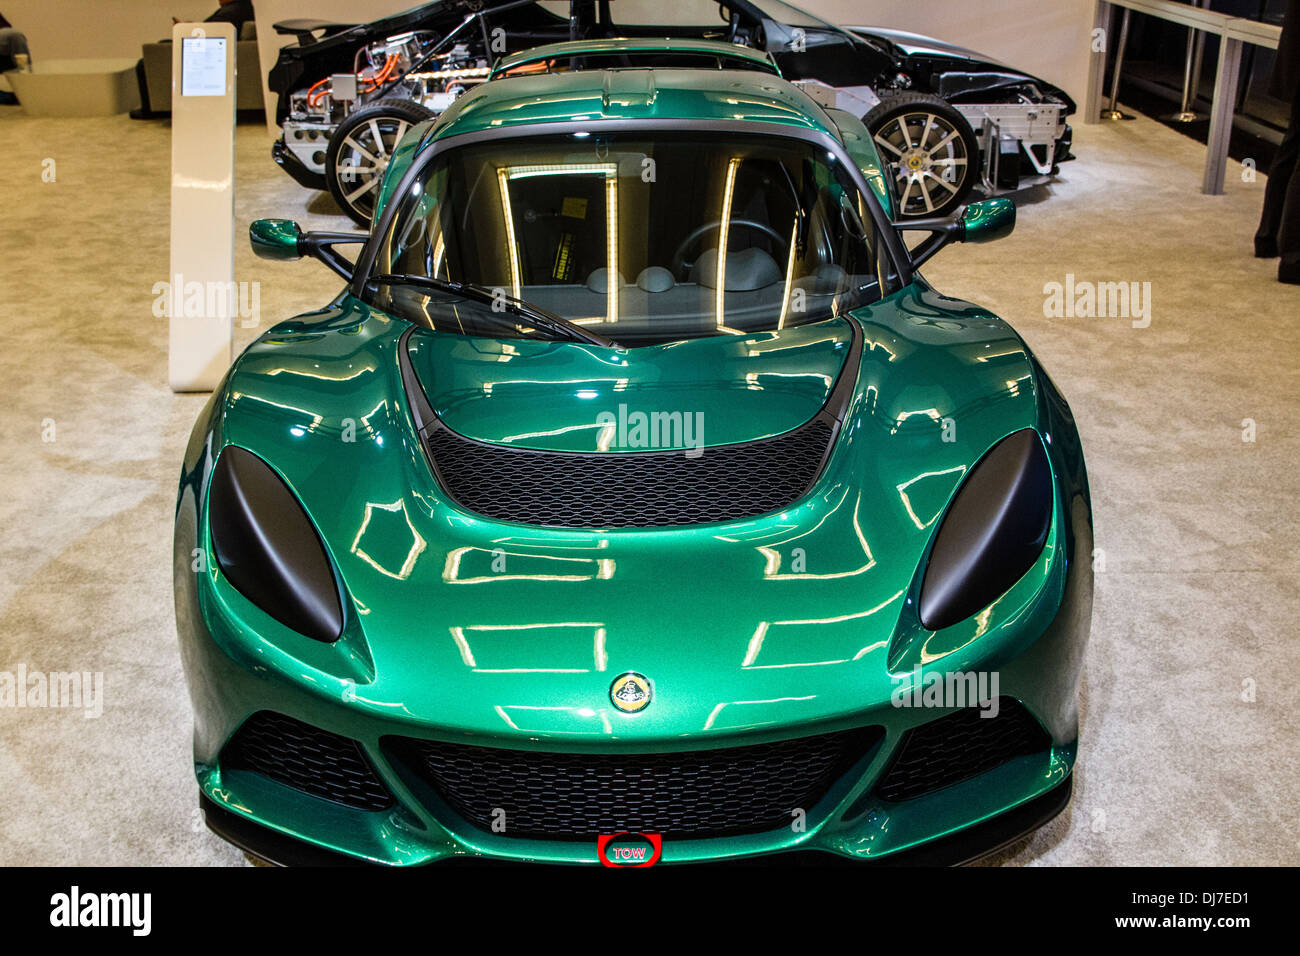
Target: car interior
711,237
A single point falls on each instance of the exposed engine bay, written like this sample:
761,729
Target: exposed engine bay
386,67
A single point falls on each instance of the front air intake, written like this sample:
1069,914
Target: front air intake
958,747
629,489
689,794
306,758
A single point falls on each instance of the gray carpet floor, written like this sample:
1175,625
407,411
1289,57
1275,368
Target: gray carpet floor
1196,604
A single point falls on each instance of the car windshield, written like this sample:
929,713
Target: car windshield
638,237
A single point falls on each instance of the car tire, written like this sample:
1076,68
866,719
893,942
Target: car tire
930,148
360,149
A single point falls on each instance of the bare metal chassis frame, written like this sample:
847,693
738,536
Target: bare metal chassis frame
1012,127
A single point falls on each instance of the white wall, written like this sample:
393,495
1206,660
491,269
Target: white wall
91,29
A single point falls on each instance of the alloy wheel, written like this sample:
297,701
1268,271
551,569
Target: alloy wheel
363,156
928,158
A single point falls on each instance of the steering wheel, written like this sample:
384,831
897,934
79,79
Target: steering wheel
681,269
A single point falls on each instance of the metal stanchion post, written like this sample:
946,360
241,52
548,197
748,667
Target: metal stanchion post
1186,113
1197,62
1114,113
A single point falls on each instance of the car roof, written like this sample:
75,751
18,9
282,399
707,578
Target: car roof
665,95
635,45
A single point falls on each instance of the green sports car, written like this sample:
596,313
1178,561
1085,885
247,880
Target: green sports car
636,501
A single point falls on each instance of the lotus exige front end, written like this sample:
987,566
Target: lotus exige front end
608,502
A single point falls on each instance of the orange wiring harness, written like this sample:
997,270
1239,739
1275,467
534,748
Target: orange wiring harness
319,89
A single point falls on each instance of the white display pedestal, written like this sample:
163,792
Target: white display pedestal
203,297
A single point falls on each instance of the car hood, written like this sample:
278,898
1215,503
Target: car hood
914,44
557,396
480,629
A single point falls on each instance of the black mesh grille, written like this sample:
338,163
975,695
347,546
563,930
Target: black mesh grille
960,746
306,758
629,489
703,793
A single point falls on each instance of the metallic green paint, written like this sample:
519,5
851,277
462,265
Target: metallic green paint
403,155
988,219
275,238
744,643
432,643
661,95
862,148
537,394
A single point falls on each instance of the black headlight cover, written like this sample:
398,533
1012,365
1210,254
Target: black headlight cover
267,548
993,532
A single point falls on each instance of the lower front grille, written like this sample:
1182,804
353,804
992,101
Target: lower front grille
704,793
306,758
960,746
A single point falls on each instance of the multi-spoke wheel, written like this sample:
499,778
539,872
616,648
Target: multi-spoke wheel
930,148
360,149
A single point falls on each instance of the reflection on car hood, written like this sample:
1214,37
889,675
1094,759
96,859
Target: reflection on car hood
531,393
789,618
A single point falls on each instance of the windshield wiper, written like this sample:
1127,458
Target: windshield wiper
541,317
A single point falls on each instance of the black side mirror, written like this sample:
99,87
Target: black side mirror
981,221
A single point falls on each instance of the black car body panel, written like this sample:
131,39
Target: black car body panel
956,73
